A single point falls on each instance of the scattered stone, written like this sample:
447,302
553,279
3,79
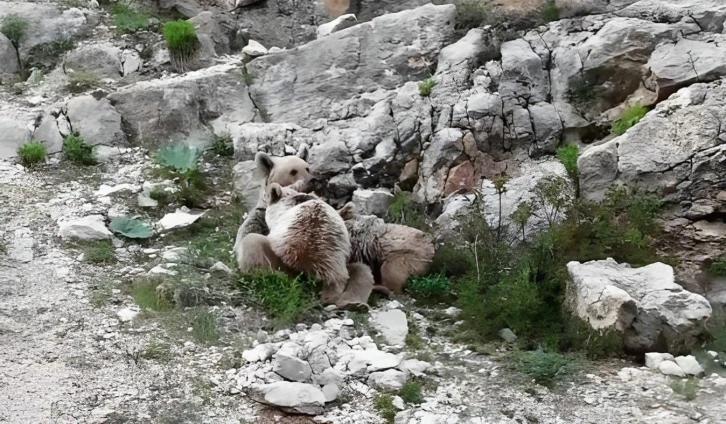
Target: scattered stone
21,248
178,219
689,365
329,376
372,202
91,227
161,270
294,397
291,368
415,367
452,311
654,359
331,392
387,380
221,267
393,326
671,368
261,352
106,190
507,335
254,49
337,24
127,314
398,403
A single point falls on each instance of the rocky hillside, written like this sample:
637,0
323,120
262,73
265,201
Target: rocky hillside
126,166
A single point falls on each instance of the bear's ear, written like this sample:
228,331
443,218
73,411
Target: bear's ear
274,193
303,152
348,211
264,163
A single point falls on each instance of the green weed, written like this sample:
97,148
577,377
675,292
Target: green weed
14,26
433,287
405,212
452,261
687,388
383,404
127,19
181,40
157,351
283,297
718,268
471,14
204,326
82,80
412,392
550,12
101,293
222,145
544,367
45,56
426,86
99,252
77,151
144,294
630,117
32,153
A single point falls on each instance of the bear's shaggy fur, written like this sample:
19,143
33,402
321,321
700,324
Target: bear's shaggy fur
308,235
394,252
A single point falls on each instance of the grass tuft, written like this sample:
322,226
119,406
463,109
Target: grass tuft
32,153
144,294
630,117
128,20
204,326
99,252
78,151
687,388
82,80
405,212
283,297
544,367
222,145
383,404
181,40
412,392
471,14
550,12
432,287
426,86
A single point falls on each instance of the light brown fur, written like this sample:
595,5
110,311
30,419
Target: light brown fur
336,8
394,252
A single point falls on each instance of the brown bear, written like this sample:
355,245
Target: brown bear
308,235
394,252
286,171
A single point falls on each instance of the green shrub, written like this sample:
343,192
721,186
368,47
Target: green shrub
550,12
82,80
14,26
426,86
521,216
544,367
32,153
405,212
127,19
285,298
99,252
433,287
157,351
181,40
223,145
412,392
78,151
143,292
471,14
718,268
687,388
180,162
383,404
452,262
630,117
568,156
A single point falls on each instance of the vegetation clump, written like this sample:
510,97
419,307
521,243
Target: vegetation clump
99,252
432,287
285,298
426,86
127,19
181,40
180,162
405,212
14,26
550,12
630,117
383,404
412,392
471,14
687,388
77,151
32,153
82,80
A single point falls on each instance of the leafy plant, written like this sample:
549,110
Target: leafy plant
76,150
127,19
383,404
521,216
283,297
143,292
99,252
718,268
426,86
581,92
179,157
630,117
246,76
181,40
568,156
550,12
13,26
687,388
430,287
471,14
222,145
131,228
82,80
543,367
405,212
412,392
452,261
32,153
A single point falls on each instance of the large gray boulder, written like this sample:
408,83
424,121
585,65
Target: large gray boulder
177,108
102,58
309,82
8,57
95,120
298,398
645,304
14,133
47,133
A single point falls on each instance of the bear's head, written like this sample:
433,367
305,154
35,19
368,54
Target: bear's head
287,171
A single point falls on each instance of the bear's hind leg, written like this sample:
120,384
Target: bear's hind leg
359,288
395,272
255,253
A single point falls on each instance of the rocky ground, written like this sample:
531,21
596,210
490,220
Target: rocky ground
83,342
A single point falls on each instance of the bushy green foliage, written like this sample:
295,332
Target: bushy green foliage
568,156
412,392
179,157
99,252
157,351
285,298
14,26
405,212
32,153
718,268
127,19
82,80
550,12
181,40
222,145
580,337
76,150
717,331
471,14
687,388
130,227
426,86
451,261
180,162
543,367
630,117
383,404
143,292
204,326
432,287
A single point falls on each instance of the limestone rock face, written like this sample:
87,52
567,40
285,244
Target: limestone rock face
645,304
